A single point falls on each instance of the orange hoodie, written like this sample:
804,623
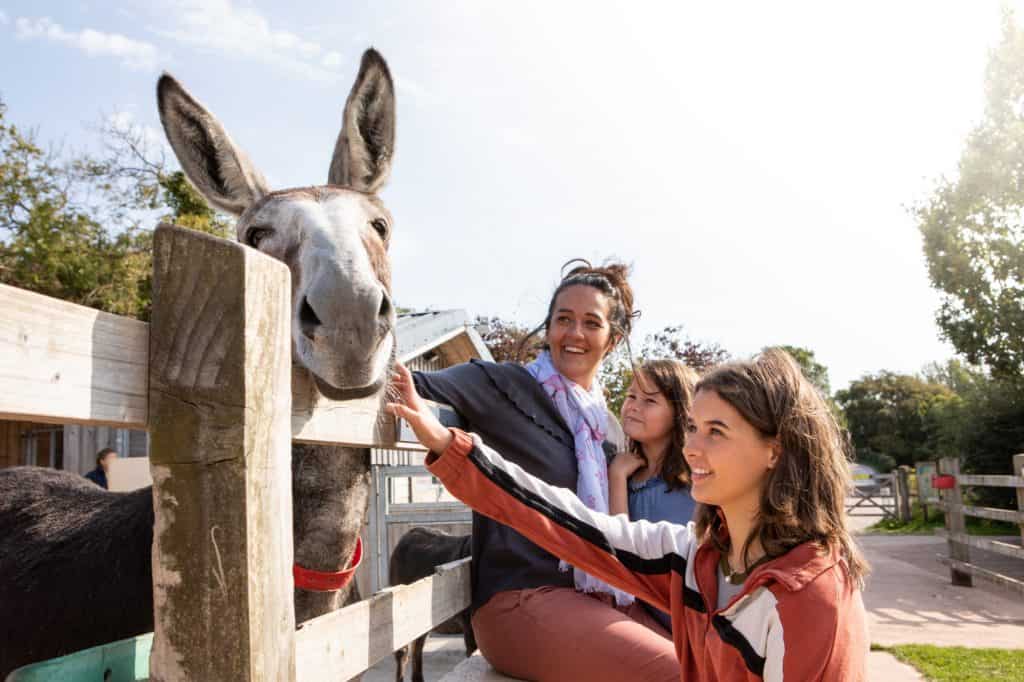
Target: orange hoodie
799,617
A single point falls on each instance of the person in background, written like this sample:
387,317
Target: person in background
103,459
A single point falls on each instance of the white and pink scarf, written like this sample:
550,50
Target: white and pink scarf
586,414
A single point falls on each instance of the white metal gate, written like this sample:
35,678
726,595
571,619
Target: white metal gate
395,511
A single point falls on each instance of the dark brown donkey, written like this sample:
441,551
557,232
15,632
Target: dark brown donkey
75,564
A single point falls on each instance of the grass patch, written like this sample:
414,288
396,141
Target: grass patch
918,524
960,664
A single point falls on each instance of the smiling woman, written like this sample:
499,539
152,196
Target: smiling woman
590,312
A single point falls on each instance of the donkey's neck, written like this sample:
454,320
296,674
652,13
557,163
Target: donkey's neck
330,490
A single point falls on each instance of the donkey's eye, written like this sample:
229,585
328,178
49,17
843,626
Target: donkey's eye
381,226
255,235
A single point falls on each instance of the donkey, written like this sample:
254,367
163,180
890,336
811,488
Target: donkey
417,554
75,560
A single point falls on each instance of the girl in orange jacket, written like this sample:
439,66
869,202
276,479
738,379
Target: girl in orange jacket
765,583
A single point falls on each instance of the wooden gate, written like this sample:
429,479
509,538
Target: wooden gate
877,496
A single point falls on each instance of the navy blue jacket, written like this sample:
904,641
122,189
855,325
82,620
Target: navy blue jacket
511,412
98,476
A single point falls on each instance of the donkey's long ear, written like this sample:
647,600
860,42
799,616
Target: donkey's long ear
220,171
362,155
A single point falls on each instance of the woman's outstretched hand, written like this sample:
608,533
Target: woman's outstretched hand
412,408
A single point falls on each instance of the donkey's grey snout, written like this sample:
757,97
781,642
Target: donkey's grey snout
308,320
385,306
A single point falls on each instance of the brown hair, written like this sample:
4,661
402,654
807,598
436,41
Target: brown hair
102,454
803,498
612,280
674,380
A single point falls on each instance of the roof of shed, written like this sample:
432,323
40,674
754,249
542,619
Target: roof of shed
419,333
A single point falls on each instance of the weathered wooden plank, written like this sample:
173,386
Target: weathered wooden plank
1007,515
342,644
69,364
981,542
991,480
359,423
901,491
983,573
65,363
220,453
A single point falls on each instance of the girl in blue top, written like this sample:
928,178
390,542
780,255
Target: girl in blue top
650,480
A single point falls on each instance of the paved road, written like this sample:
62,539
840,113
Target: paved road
910,599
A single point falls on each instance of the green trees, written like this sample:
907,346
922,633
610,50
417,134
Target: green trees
896,419
505,339
78,226
973,229
670,342
973,233
50,240
815,372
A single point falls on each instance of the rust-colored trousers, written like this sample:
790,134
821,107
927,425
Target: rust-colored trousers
556,634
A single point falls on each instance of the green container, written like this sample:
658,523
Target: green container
123,661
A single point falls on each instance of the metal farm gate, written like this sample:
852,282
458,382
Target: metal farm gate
872,496
404,497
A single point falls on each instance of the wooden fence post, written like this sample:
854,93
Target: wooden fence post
901,486
220,411
1018,470
919,475
953,500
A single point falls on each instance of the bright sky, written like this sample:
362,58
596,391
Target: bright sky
754,161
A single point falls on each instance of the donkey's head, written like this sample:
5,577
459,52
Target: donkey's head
333,237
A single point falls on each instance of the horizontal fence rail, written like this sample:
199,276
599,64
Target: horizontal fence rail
984,573
995,514
988,544
992,481
68,364
65,363
342,644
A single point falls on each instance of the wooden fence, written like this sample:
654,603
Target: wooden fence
879,495
962,570
211,378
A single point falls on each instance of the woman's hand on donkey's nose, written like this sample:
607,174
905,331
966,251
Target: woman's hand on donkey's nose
412,408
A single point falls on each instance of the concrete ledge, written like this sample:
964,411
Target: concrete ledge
475,669
881,666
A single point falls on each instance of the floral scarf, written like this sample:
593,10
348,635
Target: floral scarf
587,416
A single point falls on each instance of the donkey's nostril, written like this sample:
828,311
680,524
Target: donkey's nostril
385,306
308,319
